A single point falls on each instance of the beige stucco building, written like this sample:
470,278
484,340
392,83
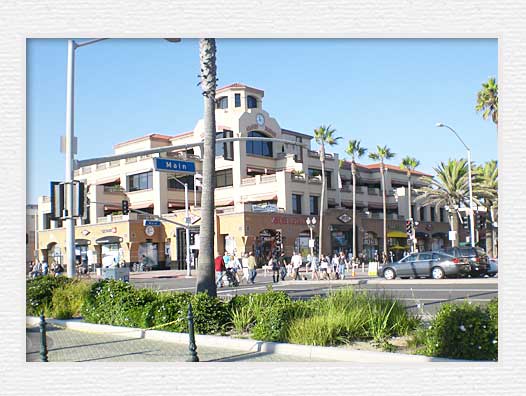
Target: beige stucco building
262,187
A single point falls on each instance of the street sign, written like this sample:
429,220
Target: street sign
452,235
311,243
169,165
152,223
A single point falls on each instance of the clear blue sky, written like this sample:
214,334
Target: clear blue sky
387,92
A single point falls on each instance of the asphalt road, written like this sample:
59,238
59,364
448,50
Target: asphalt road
422,296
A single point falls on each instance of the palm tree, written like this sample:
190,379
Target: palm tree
206,274
449,189
488,100
355,150
485,189
381,154
324,135
410,164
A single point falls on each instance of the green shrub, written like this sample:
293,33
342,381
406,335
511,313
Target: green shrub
462,332
167,308
210,314
67,301
272,321
243,318
39,293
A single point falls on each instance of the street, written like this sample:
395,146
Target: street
423,296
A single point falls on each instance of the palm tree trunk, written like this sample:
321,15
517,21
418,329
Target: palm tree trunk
385,211
353,165
322,206
453,222
410,211
206,274
489,233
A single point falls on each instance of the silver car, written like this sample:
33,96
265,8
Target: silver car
425,264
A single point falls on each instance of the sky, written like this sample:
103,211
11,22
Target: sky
380,91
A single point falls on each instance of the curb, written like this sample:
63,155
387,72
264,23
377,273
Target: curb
302,351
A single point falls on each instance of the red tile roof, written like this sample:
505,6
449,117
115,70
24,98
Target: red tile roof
155,136
387,166
238,85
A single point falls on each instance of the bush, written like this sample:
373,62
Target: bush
39,293
210,314
272,321
67,301
462,332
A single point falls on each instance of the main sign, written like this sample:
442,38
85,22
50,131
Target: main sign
169,165
153,223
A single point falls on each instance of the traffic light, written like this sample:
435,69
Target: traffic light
409,226
125,207
480,220
465,221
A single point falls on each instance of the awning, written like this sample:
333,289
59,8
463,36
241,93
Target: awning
398,247
108,180
256,170
439,235
112,207
108,239
143,205
419,234
396,234
224,203
175,204
262,197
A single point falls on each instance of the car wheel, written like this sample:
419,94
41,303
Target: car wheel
492,275
389,274
437,273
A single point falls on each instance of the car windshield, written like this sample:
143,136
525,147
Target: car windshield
411,257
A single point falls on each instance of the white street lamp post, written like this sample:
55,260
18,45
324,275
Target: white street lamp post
471,215
311,223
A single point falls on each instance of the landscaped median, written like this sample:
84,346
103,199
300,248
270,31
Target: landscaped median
273,322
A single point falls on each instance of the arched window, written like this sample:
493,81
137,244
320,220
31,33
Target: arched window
222,102
259,147
252,102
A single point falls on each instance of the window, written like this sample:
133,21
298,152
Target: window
424,256
328,177
47,221
432,214
296,203
259,147
140,181
422,214
224,178
237,100
172,183
442,215
252,102
314,173
225,150
222,102
314,208
413,213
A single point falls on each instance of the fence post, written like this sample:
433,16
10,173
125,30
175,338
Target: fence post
191,346
43,343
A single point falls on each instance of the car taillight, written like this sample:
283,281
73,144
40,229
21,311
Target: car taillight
476,259
456,261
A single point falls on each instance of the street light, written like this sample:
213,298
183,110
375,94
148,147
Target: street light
70,152
472,222
311,223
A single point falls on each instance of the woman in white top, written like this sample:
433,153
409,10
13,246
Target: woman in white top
244,264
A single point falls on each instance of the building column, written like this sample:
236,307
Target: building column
160,189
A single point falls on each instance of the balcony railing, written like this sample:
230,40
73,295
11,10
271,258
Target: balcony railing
248,181
268,178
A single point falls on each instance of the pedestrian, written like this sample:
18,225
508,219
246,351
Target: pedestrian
244,264
58,269
236,267
274,265
282,264
226,259
252,267
335,261
45,268
341,265
324,266
219,264
296,263
315,267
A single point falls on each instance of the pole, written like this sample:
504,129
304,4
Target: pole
311,243
36,237
353,212
68,213
472,217
187,221
43,341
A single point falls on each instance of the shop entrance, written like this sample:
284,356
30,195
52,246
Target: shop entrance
265,246
180,262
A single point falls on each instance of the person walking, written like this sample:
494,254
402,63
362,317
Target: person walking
296,265
341,265
244,264
45,268
58,270
219,264
236,266
252,267
334,265
324,266
282,264
275,269
315,267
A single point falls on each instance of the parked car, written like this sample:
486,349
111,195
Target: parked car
493,267
425,264
476,256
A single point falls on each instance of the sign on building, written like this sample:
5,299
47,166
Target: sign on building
170,165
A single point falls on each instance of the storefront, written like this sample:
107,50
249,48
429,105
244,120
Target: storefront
397,244
110,250
370,245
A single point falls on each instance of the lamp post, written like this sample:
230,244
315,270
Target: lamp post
311,223
187,221
471,220
70,152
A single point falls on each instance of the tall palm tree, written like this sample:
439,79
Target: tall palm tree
485,189
381,154
355,150
409,164
488,100
206,274
449,189
324,135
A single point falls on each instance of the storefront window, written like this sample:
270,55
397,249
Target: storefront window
296,203
314,208
110,254
259,147
224,178
140,181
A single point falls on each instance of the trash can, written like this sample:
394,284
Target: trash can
122,274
